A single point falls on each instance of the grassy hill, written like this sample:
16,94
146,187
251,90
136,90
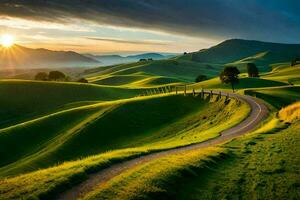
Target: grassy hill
54,134
277,96
248,167
237,49
207,62
23,100
92,129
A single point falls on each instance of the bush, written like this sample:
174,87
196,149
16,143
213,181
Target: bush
41,76
201,78
56,75
252,70
83,80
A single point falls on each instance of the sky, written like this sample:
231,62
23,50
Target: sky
129,26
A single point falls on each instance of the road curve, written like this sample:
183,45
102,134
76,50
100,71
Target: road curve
258,113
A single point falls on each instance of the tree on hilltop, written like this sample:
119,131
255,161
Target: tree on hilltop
252,70
230,75
41,76
56,75
201,78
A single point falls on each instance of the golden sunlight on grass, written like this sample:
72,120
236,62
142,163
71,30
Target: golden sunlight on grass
7,40
290,113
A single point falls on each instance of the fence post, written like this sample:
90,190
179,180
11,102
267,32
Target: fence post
184,90
165,89
211,93
202,93
176,89
193,92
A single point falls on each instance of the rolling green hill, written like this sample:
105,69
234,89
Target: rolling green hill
277,96
54,135
93,129
24,100
207,62
237,49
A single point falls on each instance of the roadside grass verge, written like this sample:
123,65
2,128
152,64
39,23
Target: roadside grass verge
47,183
158,178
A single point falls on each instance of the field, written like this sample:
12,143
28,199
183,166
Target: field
55,135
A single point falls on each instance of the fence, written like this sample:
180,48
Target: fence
185,90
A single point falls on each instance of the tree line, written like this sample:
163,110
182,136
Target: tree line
55,76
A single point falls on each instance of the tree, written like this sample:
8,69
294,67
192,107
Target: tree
201,78
252,70
230,75
82,80
56,75
42,76
295,61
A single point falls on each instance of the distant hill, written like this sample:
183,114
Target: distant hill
117,59
154,56
236,49
22,57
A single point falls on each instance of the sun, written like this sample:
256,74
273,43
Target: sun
7,40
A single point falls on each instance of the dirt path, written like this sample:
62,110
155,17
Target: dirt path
258,112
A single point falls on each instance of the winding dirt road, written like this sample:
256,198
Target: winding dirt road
257,114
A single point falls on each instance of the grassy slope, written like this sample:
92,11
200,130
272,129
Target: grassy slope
281,75
195,120
23,100
136,81
215,83
148,181
265,166
277,96
184,70
262,165
47,182
285,73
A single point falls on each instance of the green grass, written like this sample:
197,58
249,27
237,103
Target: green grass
24,100
148,181
285,73
118,80
203,122
47,183
172,68
244,83
135,81
277,96
263,167
101,127
260,165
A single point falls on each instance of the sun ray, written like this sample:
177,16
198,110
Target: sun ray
7,40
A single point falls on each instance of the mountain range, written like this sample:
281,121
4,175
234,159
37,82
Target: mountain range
21,57
117,59
230,52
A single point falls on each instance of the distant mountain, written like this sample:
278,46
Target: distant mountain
117,59
22,57
236,49
154,56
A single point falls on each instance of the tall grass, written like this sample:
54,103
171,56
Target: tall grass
290,113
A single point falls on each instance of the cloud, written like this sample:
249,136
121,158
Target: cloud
253,19
121,41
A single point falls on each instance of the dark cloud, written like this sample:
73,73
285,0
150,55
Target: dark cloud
120,41
253,19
